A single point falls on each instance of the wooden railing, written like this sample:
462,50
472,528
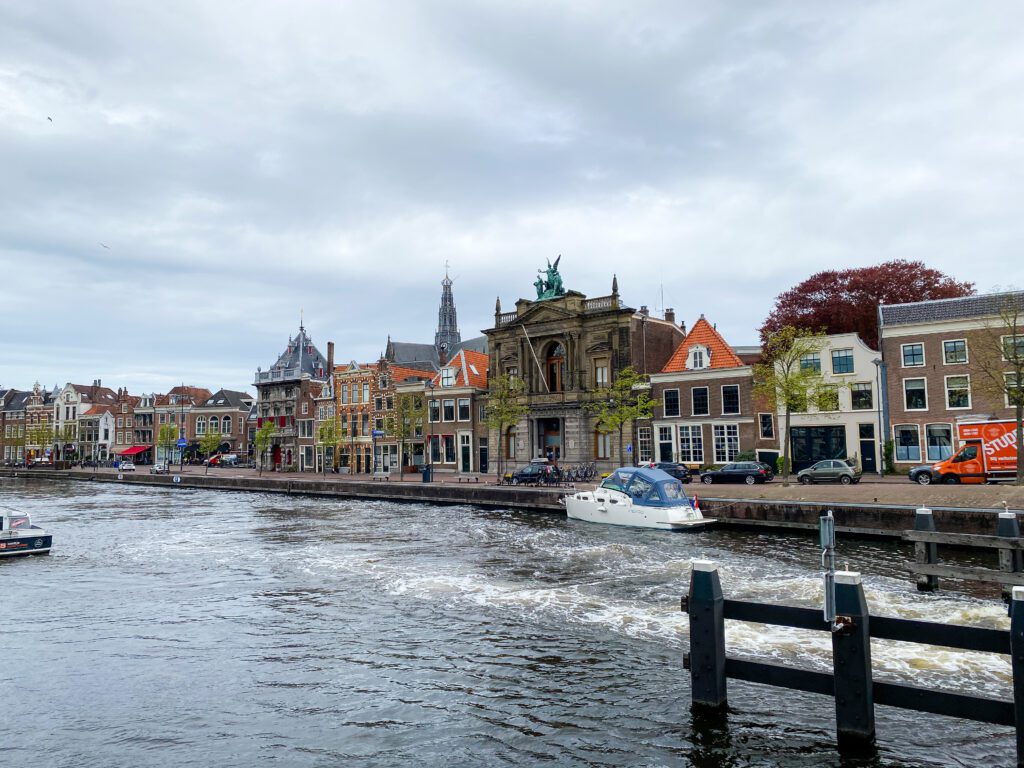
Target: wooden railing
851,681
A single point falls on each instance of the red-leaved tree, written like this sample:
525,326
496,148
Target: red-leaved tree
846,301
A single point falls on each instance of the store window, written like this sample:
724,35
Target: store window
908,442
940,441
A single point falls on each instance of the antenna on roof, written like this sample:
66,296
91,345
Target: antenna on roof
300,320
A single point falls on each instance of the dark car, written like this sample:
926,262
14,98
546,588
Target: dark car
680,472
535,473
748,472
923,475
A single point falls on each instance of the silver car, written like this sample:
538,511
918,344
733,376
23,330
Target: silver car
829,471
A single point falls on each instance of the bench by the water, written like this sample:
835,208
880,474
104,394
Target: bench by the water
850,683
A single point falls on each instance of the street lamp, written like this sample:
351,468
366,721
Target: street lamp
181,431
883,409
429,388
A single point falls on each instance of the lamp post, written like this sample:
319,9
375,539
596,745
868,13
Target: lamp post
429,388
881,385
181,430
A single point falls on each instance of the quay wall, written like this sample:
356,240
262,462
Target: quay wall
859,519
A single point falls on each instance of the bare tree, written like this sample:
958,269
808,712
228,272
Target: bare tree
999,359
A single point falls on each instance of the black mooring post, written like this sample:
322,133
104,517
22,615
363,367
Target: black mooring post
707,636
925,552
851,659
1017,666
1009,559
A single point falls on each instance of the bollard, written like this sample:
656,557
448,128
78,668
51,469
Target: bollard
925,552
1009,559
707,636
851,660
1017,666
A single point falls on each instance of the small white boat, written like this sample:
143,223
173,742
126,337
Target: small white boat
637,496
19,537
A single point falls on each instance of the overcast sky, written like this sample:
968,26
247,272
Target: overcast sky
179,180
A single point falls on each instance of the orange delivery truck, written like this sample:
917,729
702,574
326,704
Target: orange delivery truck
988,452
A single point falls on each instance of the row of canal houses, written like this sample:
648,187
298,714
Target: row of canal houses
566,349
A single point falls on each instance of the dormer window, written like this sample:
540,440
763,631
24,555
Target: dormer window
700,357
447,377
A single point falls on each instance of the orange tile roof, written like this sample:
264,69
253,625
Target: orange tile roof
704,334
464,363
400,373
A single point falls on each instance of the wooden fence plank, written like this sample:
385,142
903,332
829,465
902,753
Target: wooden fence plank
968,574
976,540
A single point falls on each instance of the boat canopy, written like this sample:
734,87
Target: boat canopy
648,487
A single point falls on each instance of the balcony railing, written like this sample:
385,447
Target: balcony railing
507,317
278,374
601,302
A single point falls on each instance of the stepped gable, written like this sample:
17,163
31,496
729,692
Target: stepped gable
937,310
703,334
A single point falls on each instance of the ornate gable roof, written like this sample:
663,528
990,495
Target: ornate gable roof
470,369
703,334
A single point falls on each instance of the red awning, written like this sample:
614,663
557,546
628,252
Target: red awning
133,450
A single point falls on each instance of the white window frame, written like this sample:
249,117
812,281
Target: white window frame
924,444
448,377
444,406
305,409
664,404
723,431
707,392
602,445
896,445
905,406
201,425
225,425
458,409
970,399
1006,387
670,431
760,429
967,354
739,404
903,356
699,358
853,362
871,391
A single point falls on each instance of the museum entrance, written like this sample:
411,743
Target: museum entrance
549,438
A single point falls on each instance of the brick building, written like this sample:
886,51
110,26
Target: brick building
932,353
12,425
287,394
226,412
705,410
456,430
39,418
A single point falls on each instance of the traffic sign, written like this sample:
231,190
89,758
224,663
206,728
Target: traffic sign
629,447
182,442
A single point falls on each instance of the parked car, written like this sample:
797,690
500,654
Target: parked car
159,468
126,466
680,472
923,475
829,471
769,470
536,472
748,472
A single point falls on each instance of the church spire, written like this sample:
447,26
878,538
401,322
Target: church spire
447,336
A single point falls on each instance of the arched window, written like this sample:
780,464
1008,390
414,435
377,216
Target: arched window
214,424
201,425
555,368
225,425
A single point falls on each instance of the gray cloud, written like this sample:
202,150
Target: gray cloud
244,162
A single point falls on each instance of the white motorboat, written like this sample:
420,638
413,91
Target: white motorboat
19,537
637,496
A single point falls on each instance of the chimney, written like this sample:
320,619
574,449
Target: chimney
442,355
670,315
330,358
644,311
682,327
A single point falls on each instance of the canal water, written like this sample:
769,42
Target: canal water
201,628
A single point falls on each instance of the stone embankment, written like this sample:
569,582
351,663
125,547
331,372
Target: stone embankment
879,508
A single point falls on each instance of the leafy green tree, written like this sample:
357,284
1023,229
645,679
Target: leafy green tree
406,422
327,436
262,440
167,437
209,443
626,401
505,407
39,435
782,379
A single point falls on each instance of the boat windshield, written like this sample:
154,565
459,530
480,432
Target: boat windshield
617,480
672,491
17,521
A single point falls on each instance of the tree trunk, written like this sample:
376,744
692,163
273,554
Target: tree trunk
1019,408
785,450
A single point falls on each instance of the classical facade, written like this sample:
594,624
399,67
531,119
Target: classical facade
73,402
705,409
933,354
287,395
566,348
225,413
39,417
